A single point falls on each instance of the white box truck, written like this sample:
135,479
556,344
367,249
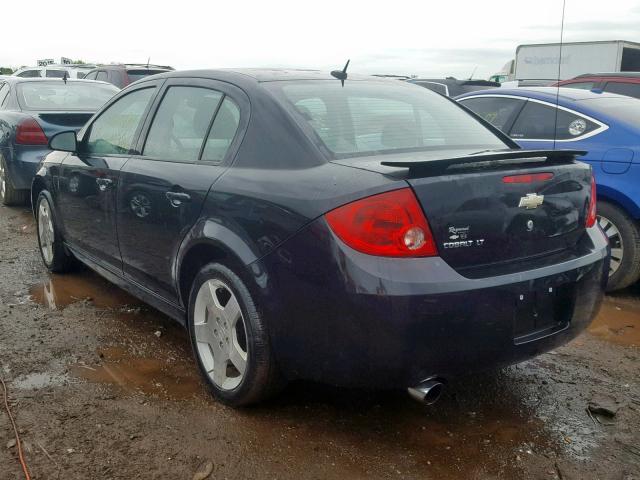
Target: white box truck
540,61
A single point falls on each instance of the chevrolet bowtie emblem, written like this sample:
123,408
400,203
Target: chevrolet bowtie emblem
531,201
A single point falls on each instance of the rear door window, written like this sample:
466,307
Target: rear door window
181,123
91,75
114,130
538,122
628,89
30,73
223,131
498,111
102,76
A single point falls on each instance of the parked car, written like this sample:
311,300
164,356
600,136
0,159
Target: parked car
625,83
122,75
452,87
303,229
31,111
54,71
607,127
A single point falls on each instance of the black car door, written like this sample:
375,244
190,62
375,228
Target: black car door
185,147
89,178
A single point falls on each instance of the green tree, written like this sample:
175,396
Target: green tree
6,71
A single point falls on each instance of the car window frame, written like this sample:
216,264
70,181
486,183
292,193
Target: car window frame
86,130
4,99
227,89
601,125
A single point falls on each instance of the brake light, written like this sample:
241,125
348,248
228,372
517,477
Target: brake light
389,224
591,211
29,132
528,178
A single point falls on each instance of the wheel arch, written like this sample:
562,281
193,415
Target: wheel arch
619,200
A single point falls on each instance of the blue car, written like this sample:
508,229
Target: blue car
31,111
607,127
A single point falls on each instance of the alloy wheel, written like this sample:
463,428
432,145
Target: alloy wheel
220,334
45,231
615,240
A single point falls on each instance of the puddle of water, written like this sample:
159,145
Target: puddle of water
58,291
36,381
176,379
618,322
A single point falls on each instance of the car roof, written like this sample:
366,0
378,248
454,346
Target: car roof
546,93
456,81
270,75
12,79
609,74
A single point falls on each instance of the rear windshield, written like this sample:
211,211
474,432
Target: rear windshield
138,74
625,109
58,95
368,117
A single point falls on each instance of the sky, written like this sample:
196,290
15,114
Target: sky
423,38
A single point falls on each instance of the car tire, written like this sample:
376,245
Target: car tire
624,238
216,327
52,250
8,195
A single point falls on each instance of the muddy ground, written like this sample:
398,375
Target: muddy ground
103,387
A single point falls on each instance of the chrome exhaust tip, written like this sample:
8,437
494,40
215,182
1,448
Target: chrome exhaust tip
428,392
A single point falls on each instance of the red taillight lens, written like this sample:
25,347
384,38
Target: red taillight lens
528,178
390,224
29,132
591,212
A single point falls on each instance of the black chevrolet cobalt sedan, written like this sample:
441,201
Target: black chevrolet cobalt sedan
360,232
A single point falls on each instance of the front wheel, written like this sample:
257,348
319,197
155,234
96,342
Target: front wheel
53,253
229,338
624,239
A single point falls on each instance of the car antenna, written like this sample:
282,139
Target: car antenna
341,74
555,123
65,76
148,60
473,73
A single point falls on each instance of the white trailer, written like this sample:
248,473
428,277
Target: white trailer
540,61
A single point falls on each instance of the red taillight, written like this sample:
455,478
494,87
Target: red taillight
390,224
29,132
591,212
528,178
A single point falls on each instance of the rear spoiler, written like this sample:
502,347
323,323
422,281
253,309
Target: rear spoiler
490,158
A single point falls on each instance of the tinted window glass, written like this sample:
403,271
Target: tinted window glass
102,76
364,117
114,129
628,89
581,85
30,74
56,73
498,111
91,76
436,87
80,74
222,132
181,123
57,95
4,92
538,121
138,74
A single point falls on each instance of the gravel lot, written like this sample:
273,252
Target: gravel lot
104,387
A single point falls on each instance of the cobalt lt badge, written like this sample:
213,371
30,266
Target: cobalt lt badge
531,201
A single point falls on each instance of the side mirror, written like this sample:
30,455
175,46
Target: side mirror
64,141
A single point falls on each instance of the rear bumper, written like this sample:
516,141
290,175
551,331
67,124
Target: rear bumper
354,320
22,164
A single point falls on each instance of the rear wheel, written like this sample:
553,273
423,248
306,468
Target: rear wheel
229,338
8,194
54,255
624,238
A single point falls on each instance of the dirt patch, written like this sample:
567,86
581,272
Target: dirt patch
104,386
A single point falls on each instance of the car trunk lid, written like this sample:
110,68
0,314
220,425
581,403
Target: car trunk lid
494,208
54,122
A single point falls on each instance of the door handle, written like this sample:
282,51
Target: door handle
104,183
176,199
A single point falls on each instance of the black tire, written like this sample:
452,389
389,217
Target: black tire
628,271
61,261
8,195
261,378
